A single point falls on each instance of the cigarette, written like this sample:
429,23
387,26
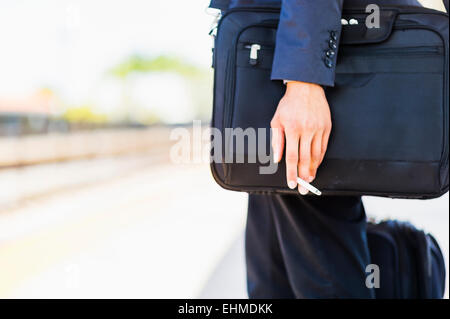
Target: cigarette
308,186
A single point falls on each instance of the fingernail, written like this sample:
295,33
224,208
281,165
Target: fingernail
310,179
292,184
276,156
303,191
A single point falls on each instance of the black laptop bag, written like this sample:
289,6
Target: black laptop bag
389,105
410,262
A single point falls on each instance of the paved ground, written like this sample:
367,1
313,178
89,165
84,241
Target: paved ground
136,227
149,232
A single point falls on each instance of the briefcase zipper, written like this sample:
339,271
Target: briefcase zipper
228,88
255,49
405,51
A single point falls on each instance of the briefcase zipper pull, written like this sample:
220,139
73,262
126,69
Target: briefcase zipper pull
215,23
254,49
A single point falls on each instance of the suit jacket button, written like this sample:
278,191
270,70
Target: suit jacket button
332,44
333,35
329,63
331,53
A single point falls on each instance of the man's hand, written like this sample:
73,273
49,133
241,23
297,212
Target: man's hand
303,120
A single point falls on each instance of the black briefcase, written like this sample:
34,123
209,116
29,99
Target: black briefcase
389,105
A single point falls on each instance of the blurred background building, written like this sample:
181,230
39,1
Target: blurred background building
90,204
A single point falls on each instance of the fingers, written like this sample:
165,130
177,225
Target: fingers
277,143
304,164
292,151
301,128
325,139
316,154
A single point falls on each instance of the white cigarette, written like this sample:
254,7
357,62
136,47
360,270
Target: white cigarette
308,186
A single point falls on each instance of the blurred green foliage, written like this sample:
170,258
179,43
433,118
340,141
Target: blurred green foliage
137,63
84,114
198,81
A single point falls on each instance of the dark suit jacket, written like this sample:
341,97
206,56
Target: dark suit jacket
304,32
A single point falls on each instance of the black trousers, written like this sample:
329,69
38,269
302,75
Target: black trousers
306,247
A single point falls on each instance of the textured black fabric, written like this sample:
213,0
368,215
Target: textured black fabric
410,261
302,247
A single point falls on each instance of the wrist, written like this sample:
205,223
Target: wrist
297,87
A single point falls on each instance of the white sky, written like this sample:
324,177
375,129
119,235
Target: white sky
69,44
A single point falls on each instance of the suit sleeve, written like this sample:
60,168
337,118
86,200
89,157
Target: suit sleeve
307,41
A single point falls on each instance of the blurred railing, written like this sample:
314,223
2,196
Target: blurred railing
57,147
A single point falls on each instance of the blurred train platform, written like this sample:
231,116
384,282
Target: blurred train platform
137,226
152,232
